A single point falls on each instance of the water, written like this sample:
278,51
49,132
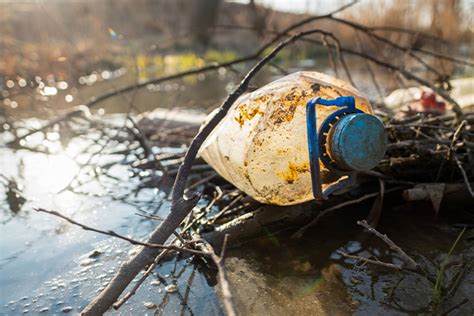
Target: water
278,276
50,266
47,263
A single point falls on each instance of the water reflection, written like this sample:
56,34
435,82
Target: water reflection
49,266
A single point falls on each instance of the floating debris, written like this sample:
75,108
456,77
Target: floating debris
44,310
150,305
67,309
171,288
156,282
94,254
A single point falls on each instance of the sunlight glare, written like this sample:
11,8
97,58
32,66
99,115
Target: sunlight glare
58,172
49,91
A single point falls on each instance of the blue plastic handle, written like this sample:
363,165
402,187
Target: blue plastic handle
315,138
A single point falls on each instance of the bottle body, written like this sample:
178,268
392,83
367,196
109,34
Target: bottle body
261,145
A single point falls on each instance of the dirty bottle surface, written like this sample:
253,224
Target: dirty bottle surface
261,146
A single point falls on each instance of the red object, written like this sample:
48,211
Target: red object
429,102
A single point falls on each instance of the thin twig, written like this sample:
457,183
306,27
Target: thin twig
409,260
223,283
456,136
370,261
408,75
116,235
464,175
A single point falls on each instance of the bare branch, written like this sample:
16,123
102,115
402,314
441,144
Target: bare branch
116,235
411,263
408,75
370,261
223,283
464,175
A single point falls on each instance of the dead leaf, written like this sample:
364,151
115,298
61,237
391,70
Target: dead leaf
436,193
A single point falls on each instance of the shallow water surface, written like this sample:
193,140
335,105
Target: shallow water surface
47,265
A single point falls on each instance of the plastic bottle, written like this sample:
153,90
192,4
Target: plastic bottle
262,145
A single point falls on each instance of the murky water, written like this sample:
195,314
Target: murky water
48,266
279,276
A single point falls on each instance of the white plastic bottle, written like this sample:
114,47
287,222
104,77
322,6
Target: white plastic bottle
261,146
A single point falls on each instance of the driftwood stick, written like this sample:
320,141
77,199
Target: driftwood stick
227,295
457,193
456,136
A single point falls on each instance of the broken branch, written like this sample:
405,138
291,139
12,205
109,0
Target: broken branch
411,263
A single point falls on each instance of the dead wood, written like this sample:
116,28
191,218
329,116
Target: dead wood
452,193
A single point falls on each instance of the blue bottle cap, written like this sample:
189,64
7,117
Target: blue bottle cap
357,142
